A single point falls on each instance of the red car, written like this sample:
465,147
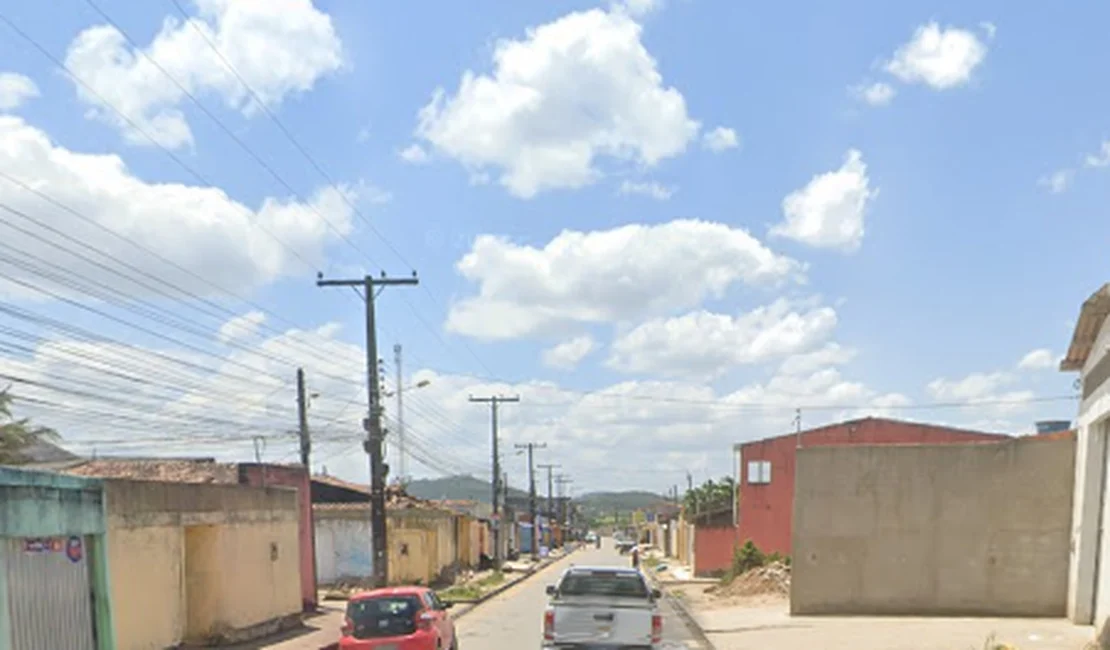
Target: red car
398,618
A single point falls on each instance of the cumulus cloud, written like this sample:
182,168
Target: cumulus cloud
15,90
940,58
568,354
241,327
414,154
875,94
567,94
201,229
1058,181
608,276
1039,359
705,345
720,139
829,211
280,48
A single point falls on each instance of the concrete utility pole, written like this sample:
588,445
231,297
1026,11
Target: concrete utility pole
401,468
375,434
493,402
550,492
531,447
798,427
302,417
562,481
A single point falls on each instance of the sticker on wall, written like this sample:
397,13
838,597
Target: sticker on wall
74,549
36,545
56,545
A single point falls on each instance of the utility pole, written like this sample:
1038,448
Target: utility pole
798,427
494,401
401,464
531,447
550,492
562,481
375,434
302,417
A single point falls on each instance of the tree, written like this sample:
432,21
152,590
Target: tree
17,435
711,503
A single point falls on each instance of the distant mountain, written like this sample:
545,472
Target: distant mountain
605,503
464,488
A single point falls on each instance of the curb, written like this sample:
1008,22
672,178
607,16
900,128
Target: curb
683,613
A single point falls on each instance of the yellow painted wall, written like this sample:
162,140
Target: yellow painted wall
189,560
410,559
144,562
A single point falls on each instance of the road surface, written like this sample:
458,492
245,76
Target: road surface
514,620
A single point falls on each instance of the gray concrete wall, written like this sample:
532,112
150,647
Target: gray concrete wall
978,529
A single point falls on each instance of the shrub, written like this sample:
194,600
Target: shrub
746,558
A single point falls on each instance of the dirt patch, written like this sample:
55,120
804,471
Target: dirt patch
770,580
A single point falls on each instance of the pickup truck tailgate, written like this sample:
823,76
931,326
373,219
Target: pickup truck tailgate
603,623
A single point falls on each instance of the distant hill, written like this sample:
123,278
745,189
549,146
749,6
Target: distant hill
465,488
604,503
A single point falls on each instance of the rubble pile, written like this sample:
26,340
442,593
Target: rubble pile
770,580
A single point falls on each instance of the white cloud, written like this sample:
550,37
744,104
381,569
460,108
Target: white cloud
414,154
990,389
650,189
568,354
637,8
940,58
1040,359
704,344
572,91
1058,181
832,354
607,276
280,48
241,327
200,228
989,28
15,89
1100,159
829,211
875,94
720,139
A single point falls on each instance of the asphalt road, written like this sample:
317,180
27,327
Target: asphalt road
514,620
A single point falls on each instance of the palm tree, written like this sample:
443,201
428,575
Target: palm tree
17,435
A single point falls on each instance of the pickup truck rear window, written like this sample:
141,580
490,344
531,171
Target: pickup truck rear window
597,583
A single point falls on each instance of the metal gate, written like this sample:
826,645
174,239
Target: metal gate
49,594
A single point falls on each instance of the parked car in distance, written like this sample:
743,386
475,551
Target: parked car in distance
602,607
398,618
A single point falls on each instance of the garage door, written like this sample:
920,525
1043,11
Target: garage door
49,594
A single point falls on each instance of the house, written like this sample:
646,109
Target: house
53,557
766,486
1089,354
208,471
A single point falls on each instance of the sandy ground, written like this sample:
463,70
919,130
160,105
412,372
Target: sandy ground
761,622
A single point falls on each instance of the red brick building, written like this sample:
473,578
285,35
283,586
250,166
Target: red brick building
766,466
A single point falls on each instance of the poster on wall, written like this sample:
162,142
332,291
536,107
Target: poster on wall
73,547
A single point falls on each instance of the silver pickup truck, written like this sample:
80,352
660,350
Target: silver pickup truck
602,608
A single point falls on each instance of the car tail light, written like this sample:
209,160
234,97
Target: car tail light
656,628
348,627
549,625
424,620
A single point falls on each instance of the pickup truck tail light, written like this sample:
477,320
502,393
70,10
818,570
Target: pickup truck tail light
549,625
656,628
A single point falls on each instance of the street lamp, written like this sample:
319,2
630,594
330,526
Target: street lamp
401,423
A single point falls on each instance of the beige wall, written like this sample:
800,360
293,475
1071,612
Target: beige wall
189,561
957,529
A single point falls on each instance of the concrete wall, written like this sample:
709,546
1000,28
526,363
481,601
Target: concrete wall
343,546
766,509
969,530
293,476
1089,576
44,504
713,549
193,562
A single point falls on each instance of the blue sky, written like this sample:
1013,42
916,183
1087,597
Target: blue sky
943,253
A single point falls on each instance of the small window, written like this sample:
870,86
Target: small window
759,472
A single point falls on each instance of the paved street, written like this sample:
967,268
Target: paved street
514,620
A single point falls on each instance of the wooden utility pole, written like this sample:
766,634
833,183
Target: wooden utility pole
375,434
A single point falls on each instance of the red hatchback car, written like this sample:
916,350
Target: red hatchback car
398,618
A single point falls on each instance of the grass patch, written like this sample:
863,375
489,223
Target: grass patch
472,590
652,562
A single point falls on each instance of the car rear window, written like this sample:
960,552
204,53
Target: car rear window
603,583
383,617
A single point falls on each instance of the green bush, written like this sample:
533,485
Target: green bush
746,558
